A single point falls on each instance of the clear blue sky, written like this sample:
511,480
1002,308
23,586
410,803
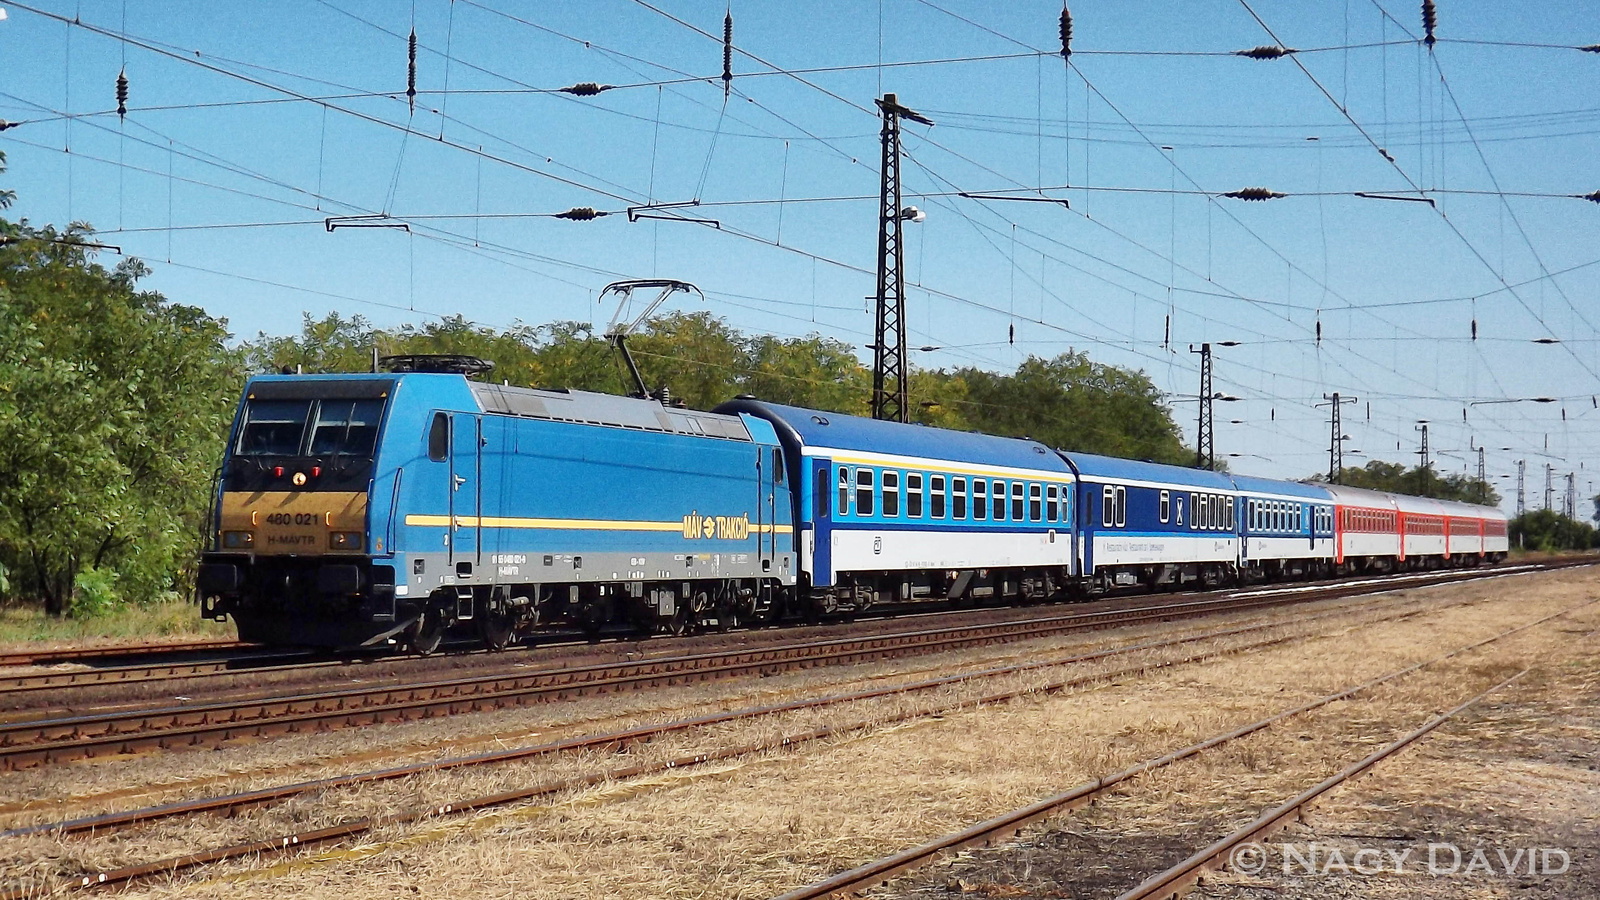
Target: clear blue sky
1394,284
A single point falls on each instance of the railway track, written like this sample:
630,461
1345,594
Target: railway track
172,662
233,804
36,742
101,654
1172,882
854,880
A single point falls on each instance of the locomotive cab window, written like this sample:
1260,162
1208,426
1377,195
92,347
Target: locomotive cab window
439,438
346,428
864,492
914,495
777,466
938,496
273,427
980,498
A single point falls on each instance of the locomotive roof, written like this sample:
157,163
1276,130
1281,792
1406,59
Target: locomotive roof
1110,468
815,428
604,409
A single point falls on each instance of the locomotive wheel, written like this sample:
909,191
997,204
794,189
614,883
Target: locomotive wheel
429,633
496,629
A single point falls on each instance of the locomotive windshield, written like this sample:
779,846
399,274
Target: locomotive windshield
338,427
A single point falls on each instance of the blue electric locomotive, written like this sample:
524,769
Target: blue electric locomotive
363,509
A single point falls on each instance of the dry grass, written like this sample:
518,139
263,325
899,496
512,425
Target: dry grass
29,628
763,824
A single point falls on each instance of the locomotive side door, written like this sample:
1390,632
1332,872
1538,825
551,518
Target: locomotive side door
466,493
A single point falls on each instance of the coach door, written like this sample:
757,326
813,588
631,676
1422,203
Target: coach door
466,493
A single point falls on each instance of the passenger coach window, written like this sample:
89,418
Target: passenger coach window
274,427
439,438
1035,503
1122,507
844,491
914,494
1052,503
959,489
891,493
1016,501
1108,505
938,496
980,498
999,501
1230,513
821,488
864,492
1194,511
1166,507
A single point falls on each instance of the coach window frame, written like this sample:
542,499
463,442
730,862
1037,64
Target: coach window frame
1052,503
980,499
997,500
1122,506
1017,502
940,499
824,493
866,489
847,480
1166,507
1108,506
889,479
914,495
958,491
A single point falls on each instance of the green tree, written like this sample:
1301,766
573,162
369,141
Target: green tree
112,405
1378,475
1549,531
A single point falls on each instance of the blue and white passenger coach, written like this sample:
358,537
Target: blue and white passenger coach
1152,524
355,509
889,512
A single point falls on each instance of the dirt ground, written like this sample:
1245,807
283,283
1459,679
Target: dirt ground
759,825
1501,802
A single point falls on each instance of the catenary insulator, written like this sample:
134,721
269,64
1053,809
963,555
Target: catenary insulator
1013,332
580,214
1592,48
727,53
1268,51
4,124
1066,32
1592,198
585,88
1474,329
122,93
411,71
1255,193
1430,18
1319,332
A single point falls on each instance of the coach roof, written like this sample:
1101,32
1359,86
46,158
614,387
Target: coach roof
1272,486
836,431
1112,469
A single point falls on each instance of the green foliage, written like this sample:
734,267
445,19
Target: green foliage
1378,475
111,404
1549,531
95,594
1069,401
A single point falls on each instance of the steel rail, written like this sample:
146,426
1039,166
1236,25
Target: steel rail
33,742
83,654
29,743
1008,824
232,804
1174,881
364,825
20,684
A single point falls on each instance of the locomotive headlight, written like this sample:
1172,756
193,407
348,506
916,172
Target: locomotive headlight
346,540
238,540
